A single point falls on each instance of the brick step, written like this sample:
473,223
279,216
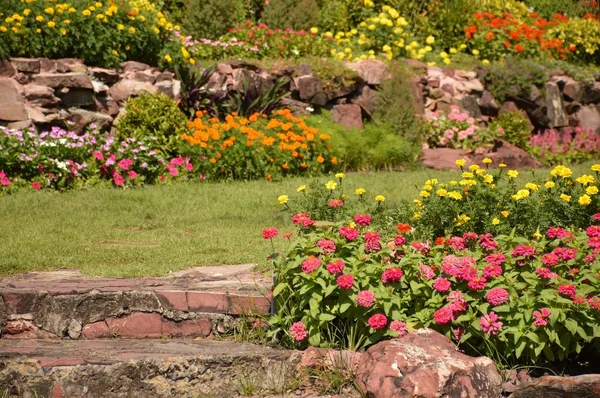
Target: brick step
199,302
144,368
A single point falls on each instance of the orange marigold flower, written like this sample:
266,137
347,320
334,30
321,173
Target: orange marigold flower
404,228
213,160
519,48
489,36
303,165
334,161
506,44
320,159
285,166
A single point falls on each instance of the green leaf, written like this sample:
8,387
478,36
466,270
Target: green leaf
502,308
533,337
520,348
279,288
326,317
571,326
548,352
344,307
538,350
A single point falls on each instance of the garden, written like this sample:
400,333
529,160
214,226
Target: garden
392,165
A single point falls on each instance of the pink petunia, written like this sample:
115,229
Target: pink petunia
98,155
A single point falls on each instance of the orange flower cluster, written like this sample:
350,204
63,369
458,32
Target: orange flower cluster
259,146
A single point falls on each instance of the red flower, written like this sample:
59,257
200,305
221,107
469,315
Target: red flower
270,233
36,185
327,245
349,233
377,321
335,203
519,48
567,289
443,316
335,267
392,275
345,281
402,228
310,264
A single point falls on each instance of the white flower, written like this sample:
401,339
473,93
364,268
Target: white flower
310,109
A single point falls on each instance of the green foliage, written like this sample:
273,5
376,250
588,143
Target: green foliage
515,127
294,14
334,15
212,18
374,147
255,98
153,115
548,9
446,19
514,78
396,105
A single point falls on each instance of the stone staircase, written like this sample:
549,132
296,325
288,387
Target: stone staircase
67,335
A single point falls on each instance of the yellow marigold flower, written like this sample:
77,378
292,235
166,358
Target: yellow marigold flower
488,178
424,194
51,24
470,183
512,173
453,182
340,175
331,185
462,219
487,160
3,29
561,171
430,40
86,13
131,30
63,31
466,174
485,62
380,198
168,58
585,179
72,10
595,167
474,167
566,198
314,30
584,200
120,26
442,192
301,188
100,16
495,221
283,199
455,195
432,181
352,224
532,187
521,194
49,11
417,202
192,61
39,18
505,213
591,190
26,12
549,184
360,191
475,52
427,187
460,162
38,30
66,22
502,165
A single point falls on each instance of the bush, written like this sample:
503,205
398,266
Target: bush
519,301
153,115
210,19
499,202
571,146
513,127
103,34
291,14
258,147
508,79
454,130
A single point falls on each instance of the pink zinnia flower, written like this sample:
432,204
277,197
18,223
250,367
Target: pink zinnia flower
426,272
540,317
565,253
298,331
558,233
497,296
457,243
118,180
287,235
327,245
489,324
550,259
335,267
487,242
349,233
492,271
270,233
132,174
477,283
372,244
596,217
495,259
399,240
98,155
345,281
470,236
593,231
365,298
362,219
377,321
125,164
311,264
391,275
302,219
399,327
567,289
458,333
442,285
523,251
335,203
594,242
466,273
545,273
36,185
443,316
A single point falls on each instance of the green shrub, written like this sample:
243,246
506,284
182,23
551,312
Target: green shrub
548,9
396,105
516,129
212,18
154,115
514,78
294,14
334,16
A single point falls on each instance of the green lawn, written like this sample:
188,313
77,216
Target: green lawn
157,229
153,230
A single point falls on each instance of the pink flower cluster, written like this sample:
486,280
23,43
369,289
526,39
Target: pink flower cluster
298,331
490,324
540,317
303,220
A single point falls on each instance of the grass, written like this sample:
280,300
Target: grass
154,230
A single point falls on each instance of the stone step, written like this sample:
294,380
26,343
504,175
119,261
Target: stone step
144,368
198,302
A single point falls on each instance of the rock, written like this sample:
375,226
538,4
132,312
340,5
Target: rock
144,76
106,76
127,88
36,115
84,118
504,152
425,364
436,93
589,118
12,107
470,105
224,68
21,125
515,378
7,69
584,386
488,104
441,158
348,115
133,66
26,65
303,70
40,95
555,106
590,93
164,77
71,65
17,326
449,88
76,97
74,330
433,82
371,71
572,91
535,96
298,108
171,88
473,86
366,99
60,80
415,64
3,314
308,87
572,107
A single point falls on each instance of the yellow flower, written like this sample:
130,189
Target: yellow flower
488,178
360,191
453,182
521,194
512,173
39,18
26,12
495,221
446,61
86,13
120,26
470,183
442,192
585,179
531,186
460,162
505,213
131,30
51,24
584,200
566,198
49,11
502,165
455,195
63,31
485,62
3,29
466,174
115,53
192,61
561,171
168,58
38,30
462,219
474,167
475,52
487,160
537,235
340,175
301,188
427,187
352,224
417,202
444,54
432,181
595,167
380,198
591,190
331,185
549,184
283,199
430,40
66,22
424,194
314,30
100,16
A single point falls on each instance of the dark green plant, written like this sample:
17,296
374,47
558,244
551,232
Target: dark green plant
253,97
572,8
334,16
153,115
294,14
194,94
515,127
396,105
212,18
514,78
